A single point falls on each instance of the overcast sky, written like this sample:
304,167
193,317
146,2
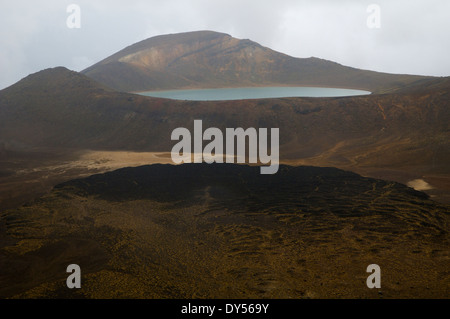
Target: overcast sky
412,35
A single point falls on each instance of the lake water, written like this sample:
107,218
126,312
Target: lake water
252,93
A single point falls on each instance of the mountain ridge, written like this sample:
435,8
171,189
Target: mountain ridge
207,59
84,113
400,136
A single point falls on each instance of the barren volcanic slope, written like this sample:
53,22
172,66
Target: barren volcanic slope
206,59
225,231
57,110
61,108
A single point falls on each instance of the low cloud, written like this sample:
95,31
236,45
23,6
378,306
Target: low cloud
412,39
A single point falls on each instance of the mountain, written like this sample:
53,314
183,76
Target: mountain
226,231
206,59
59,108
49,117
222,230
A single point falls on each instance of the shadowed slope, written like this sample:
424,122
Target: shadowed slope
61,108
56,111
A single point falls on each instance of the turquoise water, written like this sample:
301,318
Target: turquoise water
252,93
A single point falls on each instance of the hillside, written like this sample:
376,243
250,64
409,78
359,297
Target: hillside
57,107
222,230
64,109
207,59
226,231
55,113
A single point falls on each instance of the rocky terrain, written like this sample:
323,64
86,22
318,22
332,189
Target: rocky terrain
400,136
222,231
225,231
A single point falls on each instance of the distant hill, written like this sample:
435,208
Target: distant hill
65,109
206,59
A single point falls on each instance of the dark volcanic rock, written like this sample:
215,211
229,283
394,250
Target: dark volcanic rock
225,231
243,188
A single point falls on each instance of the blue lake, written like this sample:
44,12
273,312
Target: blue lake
252,93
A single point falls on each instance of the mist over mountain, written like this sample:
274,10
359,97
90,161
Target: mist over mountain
207,59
